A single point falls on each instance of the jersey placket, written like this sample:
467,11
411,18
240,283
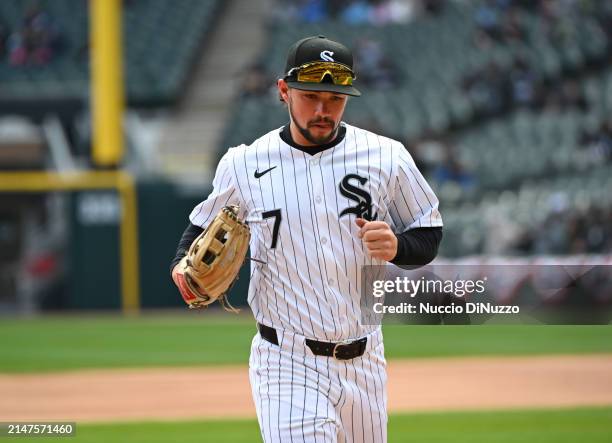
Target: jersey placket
320,185
320,213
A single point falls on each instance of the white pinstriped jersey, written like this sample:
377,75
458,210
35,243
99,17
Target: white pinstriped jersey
301,209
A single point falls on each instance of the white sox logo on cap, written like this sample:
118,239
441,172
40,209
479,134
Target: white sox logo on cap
327,56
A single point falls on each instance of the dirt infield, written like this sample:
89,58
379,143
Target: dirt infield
224,392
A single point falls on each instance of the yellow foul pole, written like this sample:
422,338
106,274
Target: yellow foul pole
107,105
106,81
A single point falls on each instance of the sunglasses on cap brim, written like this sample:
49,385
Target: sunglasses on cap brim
317,71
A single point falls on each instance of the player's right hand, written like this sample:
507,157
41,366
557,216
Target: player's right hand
378,238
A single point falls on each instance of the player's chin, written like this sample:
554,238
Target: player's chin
321,133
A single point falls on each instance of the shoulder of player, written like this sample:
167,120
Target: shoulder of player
241,150
389,147
381,141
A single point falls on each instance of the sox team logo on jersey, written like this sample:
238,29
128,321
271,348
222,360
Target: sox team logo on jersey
360,196
327,56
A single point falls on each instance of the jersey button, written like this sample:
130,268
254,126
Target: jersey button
314,162
331,282
318,199
323,240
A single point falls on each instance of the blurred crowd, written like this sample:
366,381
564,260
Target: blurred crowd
357,12
502,21
596,146
257,81
35,41
376,69
494,91
437,158
568,231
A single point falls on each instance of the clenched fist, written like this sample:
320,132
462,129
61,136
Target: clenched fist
378,238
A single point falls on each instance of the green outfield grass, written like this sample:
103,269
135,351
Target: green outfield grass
588,425
76,342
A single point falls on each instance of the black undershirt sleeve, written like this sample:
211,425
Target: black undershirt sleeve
417,246
414,247
188,237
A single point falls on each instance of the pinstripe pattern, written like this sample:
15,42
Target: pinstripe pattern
334,401
309,286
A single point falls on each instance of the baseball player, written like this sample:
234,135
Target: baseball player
322,199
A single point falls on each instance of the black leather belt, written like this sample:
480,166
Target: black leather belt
340,351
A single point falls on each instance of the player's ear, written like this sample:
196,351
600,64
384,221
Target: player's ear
283,90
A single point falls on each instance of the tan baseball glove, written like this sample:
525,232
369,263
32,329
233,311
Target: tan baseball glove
213,261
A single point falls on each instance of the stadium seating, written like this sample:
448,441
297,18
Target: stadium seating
531,158
527,209
162,39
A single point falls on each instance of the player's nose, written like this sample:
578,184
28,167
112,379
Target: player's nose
321,109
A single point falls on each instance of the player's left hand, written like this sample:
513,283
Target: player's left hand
379,239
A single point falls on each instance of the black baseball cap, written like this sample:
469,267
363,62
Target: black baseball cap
319,49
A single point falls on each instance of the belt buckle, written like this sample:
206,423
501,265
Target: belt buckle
342,343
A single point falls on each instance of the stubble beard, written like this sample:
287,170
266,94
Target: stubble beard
309,135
